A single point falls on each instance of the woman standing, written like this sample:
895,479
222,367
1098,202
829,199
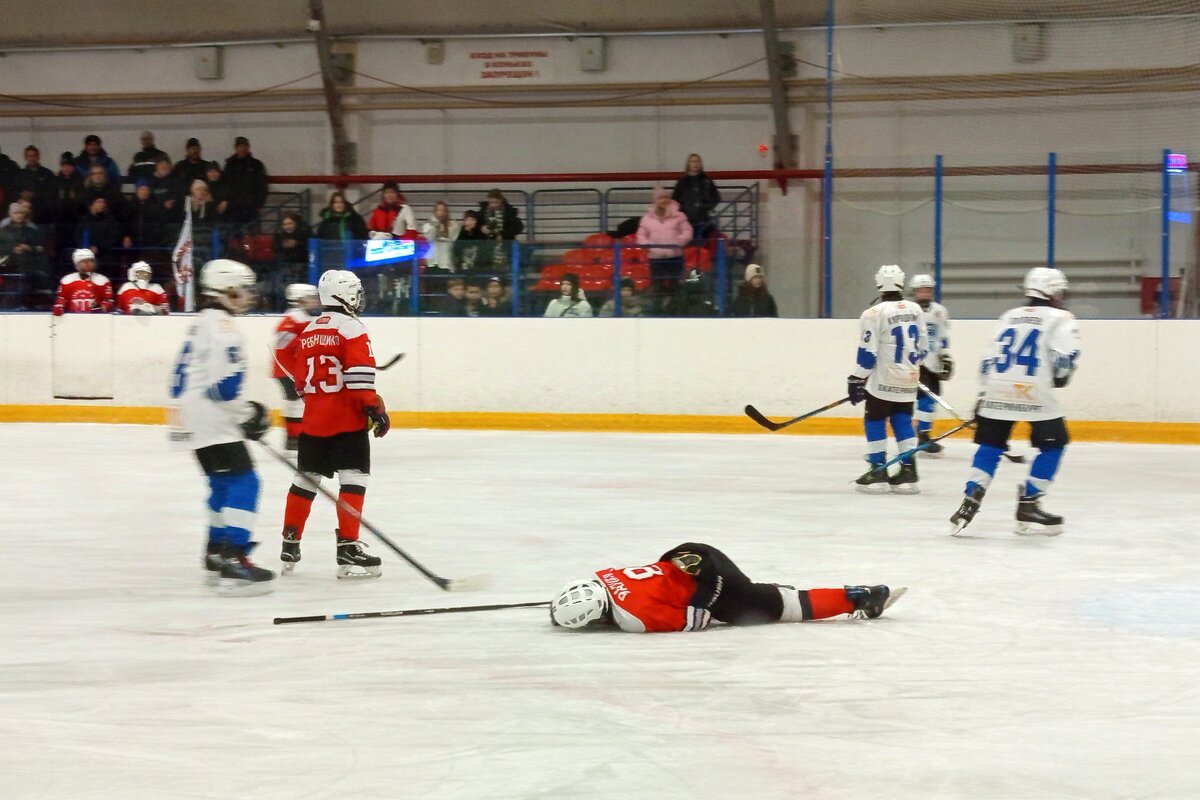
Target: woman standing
697,196
441,232
340,222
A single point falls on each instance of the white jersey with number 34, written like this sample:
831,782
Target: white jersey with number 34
1033,346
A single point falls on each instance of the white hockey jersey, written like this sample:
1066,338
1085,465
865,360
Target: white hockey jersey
1034,345
893,342
207,383
937,329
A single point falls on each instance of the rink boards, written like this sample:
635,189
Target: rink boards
1138,381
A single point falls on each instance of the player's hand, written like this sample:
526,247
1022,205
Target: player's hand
697,619
381,423
947,367
58,312
1061,379
259,422
856,388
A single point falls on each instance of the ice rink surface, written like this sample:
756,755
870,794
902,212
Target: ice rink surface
1014,667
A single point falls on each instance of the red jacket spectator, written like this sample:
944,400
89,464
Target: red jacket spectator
392,205
664,224
140,295
83,291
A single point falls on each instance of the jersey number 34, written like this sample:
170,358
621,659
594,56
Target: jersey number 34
1024,356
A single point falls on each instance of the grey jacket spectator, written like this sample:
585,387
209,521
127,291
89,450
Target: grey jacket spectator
631,304
93,154
144,161
191,167
696,193
39,182
245,183
753,299
571,301
21,241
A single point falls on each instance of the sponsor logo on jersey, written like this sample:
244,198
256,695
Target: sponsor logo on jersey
323,320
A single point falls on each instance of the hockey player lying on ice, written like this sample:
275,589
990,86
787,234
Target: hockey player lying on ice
693,584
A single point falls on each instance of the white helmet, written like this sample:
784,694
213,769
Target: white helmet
140,268
341,287
889,278
1045,282
81,255
579,604
232,282
921,282
297,293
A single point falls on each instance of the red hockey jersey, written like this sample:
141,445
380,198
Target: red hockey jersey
333,366
293,323
650,599
79,294
133,300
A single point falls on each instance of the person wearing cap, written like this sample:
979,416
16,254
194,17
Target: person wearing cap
753,299
68,202
92,154
495,303
39,182
571,301
631,303
191,167
144,160
245,184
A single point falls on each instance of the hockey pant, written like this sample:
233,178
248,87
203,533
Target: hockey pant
1048,436
233,488
878,414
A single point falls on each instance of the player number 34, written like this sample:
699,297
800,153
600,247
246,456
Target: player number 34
330,381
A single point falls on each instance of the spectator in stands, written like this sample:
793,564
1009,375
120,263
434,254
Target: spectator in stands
501,223
753,299
166,190
97,184
8,176
697,196
495,304
392,206
472,251
245,181
192,167
695,298
666,226
93,154
145,161
473,300
453,304
22,244
100,232
68,203
631,303
146,222
571,301
340,221
441,232
38,181
291,248
216,188
204,220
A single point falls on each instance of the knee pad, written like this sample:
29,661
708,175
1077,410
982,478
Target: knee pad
349,478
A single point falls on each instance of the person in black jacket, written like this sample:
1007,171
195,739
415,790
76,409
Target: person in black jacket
8,176
340,221
291,249
753,299
100,232
697,196
192,167
501,223
146,223
167,191
145,160
39,183
68,203
471,253
245,184
96,184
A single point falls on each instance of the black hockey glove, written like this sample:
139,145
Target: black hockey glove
947,367
1062,380
259,422
856,388
381,423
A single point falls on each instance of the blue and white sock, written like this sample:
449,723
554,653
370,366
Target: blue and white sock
1042,472
983,467
876,430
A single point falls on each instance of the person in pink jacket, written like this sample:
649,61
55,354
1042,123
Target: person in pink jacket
665,230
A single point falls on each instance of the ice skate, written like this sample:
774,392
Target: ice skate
966,512
1032,520
352,562
871,601
241,577
290,555
873,482
905,480
934,449
212,563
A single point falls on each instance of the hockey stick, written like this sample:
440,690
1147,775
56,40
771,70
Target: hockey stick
446,584
917,449
391,362
407,612
756,415
1016,459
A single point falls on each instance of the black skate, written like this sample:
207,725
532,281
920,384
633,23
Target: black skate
873,482
290,555
352,562
242,577
871,601
1032,520
905,480
934,449
212,563
966,512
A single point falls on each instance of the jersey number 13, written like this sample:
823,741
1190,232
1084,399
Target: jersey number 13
324,374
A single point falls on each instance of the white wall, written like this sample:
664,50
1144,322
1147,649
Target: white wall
1131,371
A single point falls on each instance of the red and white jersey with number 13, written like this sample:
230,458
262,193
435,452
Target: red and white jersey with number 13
334,370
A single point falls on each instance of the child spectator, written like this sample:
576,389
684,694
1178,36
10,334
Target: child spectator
94,155
495,304
753,299
392,206
471,249
473,302
139,295
454,303
245,185
192,167
166,190
441,232
664,225
631,303
697,196
38,182
145,161
340,222
216,187
571,301
291,248
83,291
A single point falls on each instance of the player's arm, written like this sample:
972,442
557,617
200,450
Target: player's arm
1065,349
228,365
867,358
947,361
106,297
358,374
60,302
922,344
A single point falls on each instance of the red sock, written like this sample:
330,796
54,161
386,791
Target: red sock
295,512
827,603
352,496
293,428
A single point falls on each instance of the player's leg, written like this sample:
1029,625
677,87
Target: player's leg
293,411
901,419
234,481
216,528
875,414
1050,438
312,459
991,436
927,411
352,459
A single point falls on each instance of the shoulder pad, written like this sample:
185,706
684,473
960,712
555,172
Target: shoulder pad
349,327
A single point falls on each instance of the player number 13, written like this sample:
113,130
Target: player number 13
333,371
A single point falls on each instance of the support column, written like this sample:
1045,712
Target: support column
785,151
342,157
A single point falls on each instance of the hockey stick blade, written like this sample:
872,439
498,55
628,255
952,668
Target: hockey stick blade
393,361
471,583
407,612
756,415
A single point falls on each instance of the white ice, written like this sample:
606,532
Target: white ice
1014,668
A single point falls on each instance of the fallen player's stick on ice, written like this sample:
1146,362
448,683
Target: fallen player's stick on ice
414,612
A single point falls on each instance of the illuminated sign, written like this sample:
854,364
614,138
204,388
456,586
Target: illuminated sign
384,251
1177,163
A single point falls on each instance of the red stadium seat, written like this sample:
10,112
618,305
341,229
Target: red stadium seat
596,278
599,240
585,256
698,258
550,277
634,255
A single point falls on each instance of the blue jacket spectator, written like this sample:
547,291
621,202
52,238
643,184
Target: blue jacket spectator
93,153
